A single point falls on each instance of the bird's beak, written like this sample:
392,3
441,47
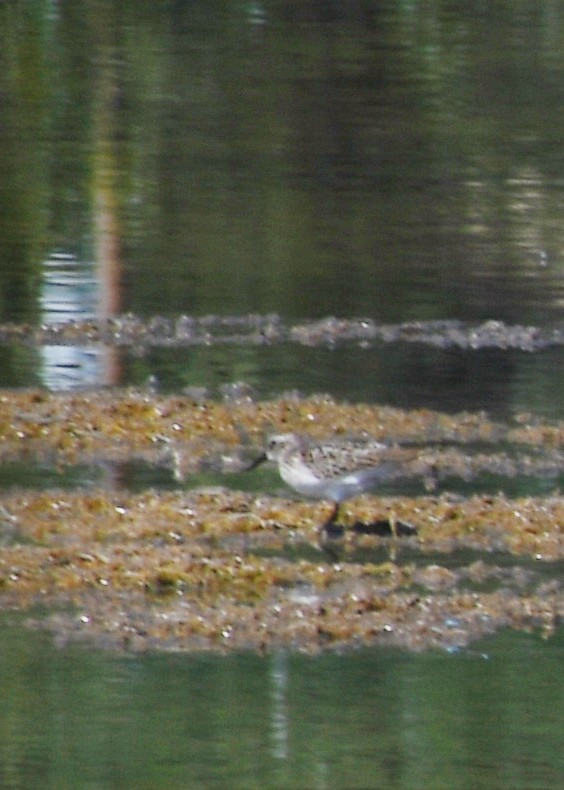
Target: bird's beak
257,462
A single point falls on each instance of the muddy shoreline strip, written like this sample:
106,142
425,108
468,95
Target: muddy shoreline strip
221,569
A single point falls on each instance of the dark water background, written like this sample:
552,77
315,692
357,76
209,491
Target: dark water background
396,160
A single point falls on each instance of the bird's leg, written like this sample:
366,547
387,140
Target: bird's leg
330,521
330,530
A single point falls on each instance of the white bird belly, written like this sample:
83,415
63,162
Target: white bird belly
302,479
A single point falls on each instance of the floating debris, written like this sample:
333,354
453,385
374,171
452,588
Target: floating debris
258,330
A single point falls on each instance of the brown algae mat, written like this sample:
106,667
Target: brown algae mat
199,568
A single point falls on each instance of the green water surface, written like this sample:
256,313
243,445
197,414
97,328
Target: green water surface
486,718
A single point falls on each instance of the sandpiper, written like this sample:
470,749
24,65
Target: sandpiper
334,469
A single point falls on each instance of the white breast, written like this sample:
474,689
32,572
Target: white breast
302,479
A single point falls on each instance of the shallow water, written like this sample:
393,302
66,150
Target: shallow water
473,719
394,161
